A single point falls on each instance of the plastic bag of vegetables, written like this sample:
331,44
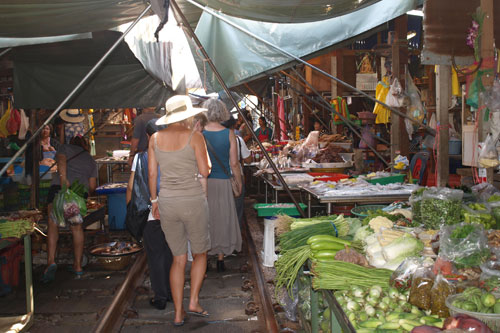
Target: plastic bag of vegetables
440,206
422,282
478,213
68,207
440,291
464,244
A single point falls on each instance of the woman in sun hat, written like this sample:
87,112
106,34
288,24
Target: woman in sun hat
181,205
73,124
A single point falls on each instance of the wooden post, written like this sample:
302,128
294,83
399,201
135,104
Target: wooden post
443,83
35,176
487,52
399,136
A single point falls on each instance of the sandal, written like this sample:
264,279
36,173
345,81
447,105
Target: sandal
50,273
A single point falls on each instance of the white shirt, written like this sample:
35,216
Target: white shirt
134,165
245,152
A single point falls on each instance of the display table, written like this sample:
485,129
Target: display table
382,197
109,162
21,323
273,186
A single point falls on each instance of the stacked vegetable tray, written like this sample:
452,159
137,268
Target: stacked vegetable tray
427,267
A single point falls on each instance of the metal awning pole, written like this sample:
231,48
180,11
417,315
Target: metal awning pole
345,120
191,33
73,92
325,103
345,84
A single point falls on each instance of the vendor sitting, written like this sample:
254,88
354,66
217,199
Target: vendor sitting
264,133
319,127
74,163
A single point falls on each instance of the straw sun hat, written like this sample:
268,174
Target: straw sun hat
72,115
178,108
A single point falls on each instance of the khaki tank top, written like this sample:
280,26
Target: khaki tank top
179,172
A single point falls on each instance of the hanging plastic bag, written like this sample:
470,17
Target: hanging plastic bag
491,97
25,124
138,208
488,156
395,97
14,121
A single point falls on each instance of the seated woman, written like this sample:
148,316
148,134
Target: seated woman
264,133
73,163
48,147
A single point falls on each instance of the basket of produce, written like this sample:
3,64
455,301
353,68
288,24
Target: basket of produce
114,256
362,211
264,209
477,303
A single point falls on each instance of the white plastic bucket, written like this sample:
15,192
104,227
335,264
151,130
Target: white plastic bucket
268,255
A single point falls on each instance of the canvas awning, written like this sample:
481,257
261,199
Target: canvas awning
240,57
45,74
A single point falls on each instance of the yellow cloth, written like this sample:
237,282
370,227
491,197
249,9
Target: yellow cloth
455,86
381,92
4,132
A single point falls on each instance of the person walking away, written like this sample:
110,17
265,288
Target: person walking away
264,133
73,163
72,126
244,156
225,233
157,250
181,205
139,142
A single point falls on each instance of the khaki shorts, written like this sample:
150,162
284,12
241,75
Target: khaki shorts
183,219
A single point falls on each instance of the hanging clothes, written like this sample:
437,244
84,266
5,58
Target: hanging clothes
4,132
383,113
340,105
281,117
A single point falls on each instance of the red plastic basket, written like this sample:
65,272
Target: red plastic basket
328,176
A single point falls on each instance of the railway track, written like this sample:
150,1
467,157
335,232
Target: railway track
236,299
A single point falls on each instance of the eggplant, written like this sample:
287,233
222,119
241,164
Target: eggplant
467,323
425,329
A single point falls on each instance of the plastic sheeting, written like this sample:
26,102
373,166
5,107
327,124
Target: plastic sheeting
41,18
239,57
290,11
169,60
45,74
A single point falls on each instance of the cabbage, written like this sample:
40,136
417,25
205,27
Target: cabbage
401,248
362,233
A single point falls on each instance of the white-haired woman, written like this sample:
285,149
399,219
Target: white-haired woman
181,205
225,235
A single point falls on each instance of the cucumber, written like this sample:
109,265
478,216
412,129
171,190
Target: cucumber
325,255
330,238
326,245
371,323
389,326
429,320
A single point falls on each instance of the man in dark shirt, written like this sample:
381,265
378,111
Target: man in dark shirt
139,140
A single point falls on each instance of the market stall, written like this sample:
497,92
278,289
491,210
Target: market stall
425,267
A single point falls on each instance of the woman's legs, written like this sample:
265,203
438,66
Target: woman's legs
52,237
198,269
78,240
177,272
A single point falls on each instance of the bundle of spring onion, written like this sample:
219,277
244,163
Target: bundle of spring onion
340,275
17,228
298,236
285,223
288,265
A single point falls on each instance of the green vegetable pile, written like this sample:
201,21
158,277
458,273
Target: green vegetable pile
340,275
298,236
373,309
477,300
17,228
435,212
478,213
